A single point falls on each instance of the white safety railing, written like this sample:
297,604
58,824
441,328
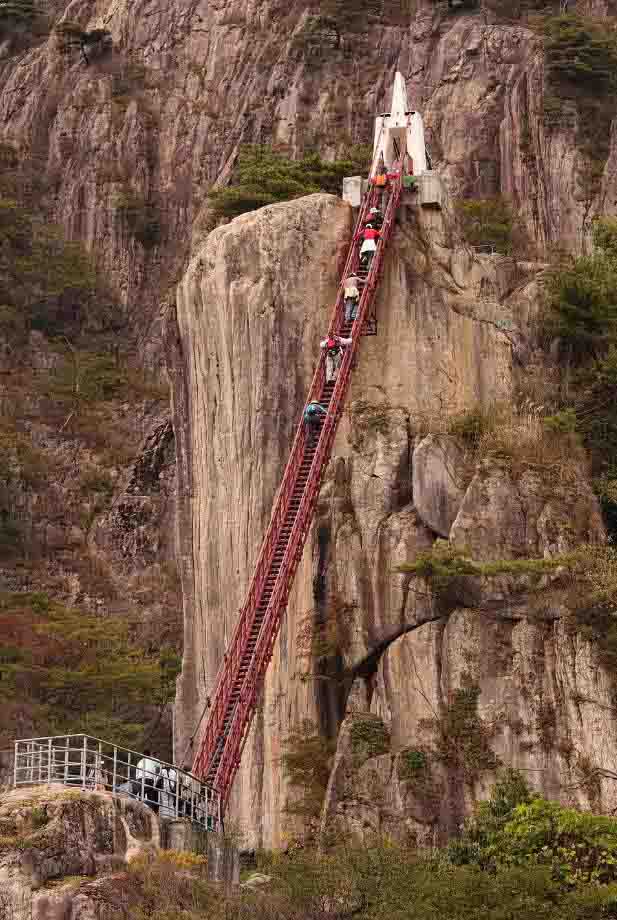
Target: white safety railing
80,761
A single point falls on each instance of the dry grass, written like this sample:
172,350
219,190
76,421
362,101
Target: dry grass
519,437
523,440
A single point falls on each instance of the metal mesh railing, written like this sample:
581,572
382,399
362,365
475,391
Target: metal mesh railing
83,762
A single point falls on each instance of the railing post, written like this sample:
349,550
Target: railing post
15,763
84,760
49,753
113,780
67,742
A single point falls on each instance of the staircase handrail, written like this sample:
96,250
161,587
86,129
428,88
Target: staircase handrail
235,650
265,640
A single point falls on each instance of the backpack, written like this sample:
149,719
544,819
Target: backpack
333,346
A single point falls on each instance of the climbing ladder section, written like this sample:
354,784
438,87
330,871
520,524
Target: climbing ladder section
244,665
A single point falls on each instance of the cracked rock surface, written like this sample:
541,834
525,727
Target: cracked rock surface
250,334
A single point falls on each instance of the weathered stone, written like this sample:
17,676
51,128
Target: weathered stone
60,832
439,480
504,516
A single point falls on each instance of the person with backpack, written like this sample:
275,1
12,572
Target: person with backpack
352,298
146,776
313,414
369,237
334,346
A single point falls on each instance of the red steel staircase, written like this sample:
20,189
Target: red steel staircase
244,665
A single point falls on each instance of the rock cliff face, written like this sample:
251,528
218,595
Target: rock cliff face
156,124
397,481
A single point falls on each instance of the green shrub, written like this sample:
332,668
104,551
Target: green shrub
369,738
582,300
471,424
46,283
462,738
77,672
442,565
487,221
306,762
141,218
515,828
581,56
264,176
95,480
413,769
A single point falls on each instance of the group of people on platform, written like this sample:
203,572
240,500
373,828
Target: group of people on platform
334,345
168,792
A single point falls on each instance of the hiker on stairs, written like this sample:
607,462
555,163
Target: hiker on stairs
334,346
313,415
375,217
352,298
369,237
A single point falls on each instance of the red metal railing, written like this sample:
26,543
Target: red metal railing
221,742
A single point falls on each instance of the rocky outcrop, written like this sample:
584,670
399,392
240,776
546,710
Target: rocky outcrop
439,473
48,836
501,677
439,349
503,516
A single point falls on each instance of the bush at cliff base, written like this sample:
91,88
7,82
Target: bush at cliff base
519,857
517,829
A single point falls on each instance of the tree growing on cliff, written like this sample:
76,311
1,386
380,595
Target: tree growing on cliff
306,763
264,176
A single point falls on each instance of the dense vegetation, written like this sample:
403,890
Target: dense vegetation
264,176
73,672
65,341
488,222
581,317
520,857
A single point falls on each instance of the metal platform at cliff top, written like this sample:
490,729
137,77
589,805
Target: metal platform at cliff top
83,762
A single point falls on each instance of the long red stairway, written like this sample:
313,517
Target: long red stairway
244,666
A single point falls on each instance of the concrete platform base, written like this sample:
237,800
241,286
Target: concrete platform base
223,857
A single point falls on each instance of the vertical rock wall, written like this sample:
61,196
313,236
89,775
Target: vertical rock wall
251,309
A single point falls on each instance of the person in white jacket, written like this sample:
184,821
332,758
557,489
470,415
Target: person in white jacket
147,774
334,347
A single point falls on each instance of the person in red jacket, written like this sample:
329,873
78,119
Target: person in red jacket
369,237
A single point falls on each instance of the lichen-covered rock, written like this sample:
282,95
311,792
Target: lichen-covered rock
370,795
439,480
48,833
505,515
542,698
251,310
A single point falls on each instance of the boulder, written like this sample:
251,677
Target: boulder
49,833
439,479
509,516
